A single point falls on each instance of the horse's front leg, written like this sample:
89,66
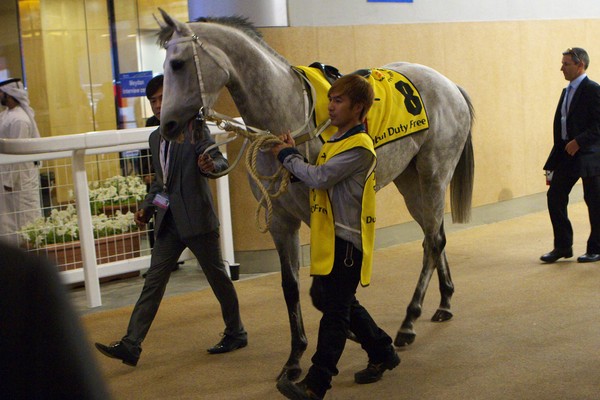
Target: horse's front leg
287,243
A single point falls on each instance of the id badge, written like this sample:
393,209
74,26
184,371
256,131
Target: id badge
161,200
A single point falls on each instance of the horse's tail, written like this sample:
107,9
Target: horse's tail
461,186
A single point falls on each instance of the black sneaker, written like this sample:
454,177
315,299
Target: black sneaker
120,352
296,391
374,372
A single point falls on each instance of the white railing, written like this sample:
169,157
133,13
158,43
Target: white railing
76,147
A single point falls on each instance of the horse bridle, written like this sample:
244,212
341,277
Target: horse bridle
300,135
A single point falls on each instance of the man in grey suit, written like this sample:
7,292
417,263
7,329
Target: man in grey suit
185,217
575,154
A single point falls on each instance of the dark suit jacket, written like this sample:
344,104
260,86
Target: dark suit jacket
190,198
583,125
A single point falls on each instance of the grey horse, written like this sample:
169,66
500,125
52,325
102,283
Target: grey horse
205,56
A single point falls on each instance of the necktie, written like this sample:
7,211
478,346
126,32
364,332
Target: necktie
164,159
165,150
568,98
564,110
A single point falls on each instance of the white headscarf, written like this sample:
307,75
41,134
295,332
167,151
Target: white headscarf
16,90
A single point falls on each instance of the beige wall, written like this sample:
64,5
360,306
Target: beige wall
510,69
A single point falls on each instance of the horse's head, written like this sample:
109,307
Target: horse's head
194,75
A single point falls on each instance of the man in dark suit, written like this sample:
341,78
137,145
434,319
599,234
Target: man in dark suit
575,154
185,217
154,91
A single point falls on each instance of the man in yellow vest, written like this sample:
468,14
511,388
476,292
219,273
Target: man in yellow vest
342,185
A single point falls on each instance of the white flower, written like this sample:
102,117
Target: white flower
62,226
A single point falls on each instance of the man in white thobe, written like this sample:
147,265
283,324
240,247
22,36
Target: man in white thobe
19,182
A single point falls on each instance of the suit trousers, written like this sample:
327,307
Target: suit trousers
167,249
558,199
334,296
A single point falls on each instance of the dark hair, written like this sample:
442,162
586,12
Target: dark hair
578,55
358,90
153,85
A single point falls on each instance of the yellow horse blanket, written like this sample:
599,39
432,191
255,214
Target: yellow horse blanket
397,111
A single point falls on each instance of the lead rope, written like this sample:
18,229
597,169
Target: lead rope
258,141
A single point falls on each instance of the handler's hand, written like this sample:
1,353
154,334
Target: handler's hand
206,163
572,147
140,218
288,141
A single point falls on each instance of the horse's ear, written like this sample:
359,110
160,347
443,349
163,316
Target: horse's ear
160,24
166,17
172,22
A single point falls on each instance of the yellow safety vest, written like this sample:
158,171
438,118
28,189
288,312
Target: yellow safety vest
322,232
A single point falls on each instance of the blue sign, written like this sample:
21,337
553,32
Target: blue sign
133,84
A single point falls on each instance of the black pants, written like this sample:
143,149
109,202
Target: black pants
334,296
558,200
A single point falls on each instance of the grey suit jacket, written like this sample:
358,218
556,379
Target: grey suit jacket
190,198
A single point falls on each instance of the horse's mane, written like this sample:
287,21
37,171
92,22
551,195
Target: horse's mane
163,36
237,22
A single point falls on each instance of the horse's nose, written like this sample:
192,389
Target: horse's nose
170,130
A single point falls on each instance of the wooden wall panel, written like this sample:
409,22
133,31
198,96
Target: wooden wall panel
510,69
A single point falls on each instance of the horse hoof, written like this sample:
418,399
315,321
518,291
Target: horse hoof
442,315
292,373
404,339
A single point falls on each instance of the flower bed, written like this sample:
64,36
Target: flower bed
113,203
116,193
108,249
62,227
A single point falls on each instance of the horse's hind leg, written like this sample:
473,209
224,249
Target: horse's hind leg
429,215
443,312
286,239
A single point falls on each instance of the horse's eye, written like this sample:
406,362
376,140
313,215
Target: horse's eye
176,64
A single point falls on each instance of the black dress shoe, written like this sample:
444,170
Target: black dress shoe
588,257
117,350
296,391
227,344
374,371
556,254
